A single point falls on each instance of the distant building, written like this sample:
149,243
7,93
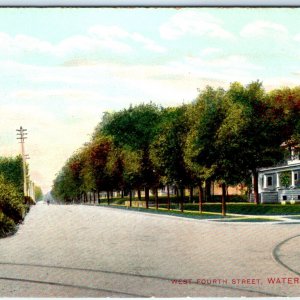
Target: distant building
281,183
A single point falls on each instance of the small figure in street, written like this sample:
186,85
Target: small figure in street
48,201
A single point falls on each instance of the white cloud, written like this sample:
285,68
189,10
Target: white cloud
28,43
78,43
210,51
193,23
297,38
23,43
96,39
74,44
108,32
46,95
148,43
111,33
5,42
264,29
230,61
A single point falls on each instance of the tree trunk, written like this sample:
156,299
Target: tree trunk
139,195
223,199
208,190
156,198
90,197
122,194
191,194
168,197
98,193
130,198
181,198
176,191
147,197
200,190
255,187
107,193
94,195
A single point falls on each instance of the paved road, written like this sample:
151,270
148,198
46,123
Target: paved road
85,251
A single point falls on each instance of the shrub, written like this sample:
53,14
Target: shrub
11,201
7,225
12,170
285,178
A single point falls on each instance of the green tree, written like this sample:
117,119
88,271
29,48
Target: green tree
134,129
167,150
97,156
261,131
69,183
38,193
231,165
206,115
11,201
285,110
132,170
12,170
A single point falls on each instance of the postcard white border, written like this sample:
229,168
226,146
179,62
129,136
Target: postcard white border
159,3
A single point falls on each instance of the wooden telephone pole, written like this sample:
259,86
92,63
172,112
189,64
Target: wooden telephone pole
21,135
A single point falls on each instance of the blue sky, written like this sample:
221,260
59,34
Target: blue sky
61,68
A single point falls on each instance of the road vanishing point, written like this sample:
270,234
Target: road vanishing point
92,251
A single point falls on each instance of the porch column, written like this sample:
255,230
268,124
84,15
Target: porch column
265,182
293,178
277,180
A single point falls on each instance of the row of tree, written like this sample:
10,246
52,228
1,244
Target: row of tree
12,205
12,202
223,136
11,168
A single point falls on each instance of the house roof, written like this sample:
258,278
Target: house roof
286,167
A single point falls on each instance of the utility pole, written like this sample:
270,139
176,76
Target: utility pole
21,135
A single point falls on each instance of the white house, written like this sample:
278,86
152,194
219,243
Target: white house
270,181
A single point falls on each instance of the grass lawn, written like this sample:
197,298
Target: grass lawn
247,219
246,208
243,208
194,215
175,212
213,209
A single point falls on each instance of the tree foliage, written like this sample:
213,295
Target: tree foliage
224,135
167,149
11,168
12,208
38,193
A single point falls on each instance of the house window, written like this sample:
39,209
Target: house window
270,180
298,197
284,198
296,176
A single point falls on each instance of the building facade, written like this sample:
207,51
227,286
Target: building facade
281,183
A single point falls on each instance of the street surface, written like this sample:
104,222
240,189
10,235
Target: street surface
86,251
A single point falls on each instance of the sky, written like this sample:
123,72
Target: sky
62,68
